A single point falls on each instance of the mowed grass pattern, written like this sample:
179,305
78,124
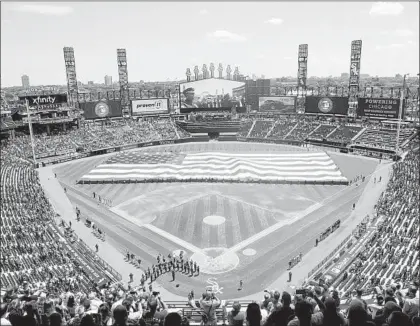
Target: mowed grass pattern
242,221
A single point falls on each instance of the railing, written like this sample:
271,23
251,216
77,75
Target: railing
102,262
312,272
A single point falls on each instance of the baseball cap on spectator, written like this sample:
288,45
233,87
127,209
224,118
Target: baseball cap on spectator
389,291
276,295
359,292
380,299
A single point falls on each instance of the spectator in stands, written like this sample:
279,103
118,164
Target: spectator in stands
411,303
55,319
275,304
173,319
87,320
303,312
266,302
120,315
331,317
357,316
398,318
209,303
236,317
281,316
358,298
382,316
253,314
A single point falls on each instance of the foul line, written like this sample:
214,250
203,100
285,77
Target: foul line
173,238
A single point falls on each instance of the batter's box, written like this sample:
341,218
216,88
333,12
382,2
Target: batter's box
214,221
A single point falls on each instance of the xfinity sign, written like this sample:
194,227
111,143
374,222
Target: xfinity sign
50,101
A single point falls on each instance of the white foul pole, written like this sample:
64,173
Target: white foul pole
30,131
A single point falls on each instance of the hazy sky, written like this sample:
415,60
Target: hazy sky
163,39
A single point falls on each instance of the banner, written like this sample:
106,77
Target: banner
150,106
279,104
379,108
45,101
101,109
326,105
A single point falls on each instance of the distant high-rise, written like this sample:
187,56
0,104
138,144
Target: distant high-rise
25,81
108,80
90,83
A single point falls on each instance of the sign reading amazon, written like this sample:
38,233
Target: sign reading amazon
45,101
379,108
150,106
326,105
101,109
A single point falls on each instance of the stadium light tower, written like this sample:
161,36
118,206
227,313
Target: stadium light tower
397,146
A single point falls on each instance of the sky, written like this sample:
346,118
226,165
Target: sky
164,39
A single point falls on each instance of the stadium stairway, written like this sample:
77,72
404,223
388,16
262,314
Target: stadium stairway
107,252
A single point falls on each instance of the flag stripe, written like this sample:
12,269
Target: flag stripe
219,166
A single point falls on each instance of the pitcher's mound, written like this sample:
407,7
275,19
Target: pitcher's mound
214,220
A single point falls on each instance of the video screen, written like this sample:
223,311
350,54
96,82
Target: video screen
210,94
101,109
327,105
279,104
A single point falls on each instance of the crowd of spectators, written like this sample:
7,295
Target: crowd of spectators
392,253
261,128
308,128
45,282
93,136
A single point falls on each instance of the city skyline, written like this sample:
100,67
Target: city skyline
261,38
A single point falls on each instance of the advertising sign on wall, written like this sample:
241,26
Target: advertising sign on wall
45,101
101,109
280,104
379,107
326,105
150,106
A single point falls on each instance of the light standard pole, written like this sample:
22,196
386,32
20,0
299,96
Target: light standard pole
397,146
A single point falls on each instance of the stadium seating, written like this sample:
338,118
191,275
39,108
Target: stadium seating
39,255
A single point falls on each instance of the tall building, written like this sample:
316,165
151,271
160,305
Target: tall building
108,80
90,83
25,81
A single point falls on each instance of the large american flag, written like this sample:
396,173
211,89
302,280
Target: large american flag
217,166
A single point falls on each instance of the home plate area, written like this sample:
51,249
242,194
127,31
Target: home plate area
215,230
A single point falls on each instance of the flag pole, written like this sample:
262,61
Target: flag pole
31,132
